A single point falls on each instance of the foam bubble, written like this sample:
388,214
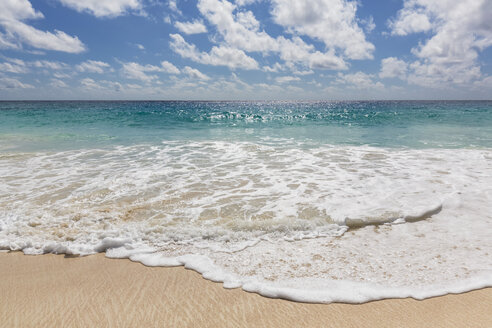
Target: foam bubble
309,223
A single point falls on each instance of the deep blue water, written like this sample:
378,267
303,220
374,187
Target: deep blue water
412,124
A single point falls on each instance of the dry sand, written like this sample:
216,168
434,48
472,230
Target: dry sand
93,291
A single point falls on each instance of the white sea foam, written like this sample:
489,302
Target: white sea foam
315,224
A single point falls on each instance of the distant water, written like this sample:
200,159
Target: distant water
310,201
69,125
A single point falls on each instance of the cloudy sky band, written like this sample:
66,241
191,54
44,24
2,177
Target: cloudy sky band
245,49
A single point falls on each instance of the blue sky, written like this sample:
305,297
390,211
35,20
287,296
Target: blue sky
245,49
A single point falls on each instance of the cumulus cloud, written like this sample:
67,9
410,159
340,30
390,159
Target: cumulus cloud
333,22
194,73
274,68
169,68
16,32
484,84
240,30
306,72
358,80
7,42
173,6
393,67
56,83
16,66
10,83
218,56
409,20
89,83
104,86
460,29
93,66
103,8
18,10
245,2
368,24
287,79
137,71
59,75
58,41
48,64
194,27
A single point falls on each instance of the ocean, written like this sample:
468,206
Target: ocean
307,201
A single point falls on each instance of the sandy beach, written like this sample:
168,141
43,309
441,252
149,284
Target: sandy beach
94,291
246,163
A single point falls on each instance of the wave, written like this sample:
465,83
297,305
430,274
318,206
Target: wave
305,223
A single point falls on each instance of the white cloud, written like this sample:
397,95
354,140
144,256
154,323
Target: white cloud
116,86
173,5
194,27
58,41
102,86
245,2
327,60
14,66
358,80
16,32
269,90
56,83
16,61
10,83
287,79
93,66
241,30
194,73
307,72
17,10
59,75
103,8
484,84
240,82
169,68
332,21
218,56
368,24
393,67
460,30
52,65
439,75
137,71
274,68
89,83
139,46
7,42
409,20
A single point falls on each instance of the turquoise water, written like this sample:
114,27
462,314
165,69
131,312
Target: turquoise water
414,124
310,201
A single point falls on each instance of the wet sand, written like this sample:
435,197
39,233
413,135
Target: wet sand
94,291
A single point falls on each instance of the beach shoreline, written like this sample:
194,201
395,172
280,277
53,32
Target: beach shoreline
57,290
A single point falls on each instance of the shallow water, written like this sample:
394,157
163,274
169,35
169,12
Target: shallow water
317,202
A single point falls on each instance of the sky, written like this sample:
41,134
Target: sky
245,49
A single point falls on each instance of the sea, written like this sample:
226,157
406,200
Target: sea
320,202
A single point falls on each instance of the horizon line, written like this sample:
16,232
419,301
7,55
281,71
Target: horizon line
229,100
